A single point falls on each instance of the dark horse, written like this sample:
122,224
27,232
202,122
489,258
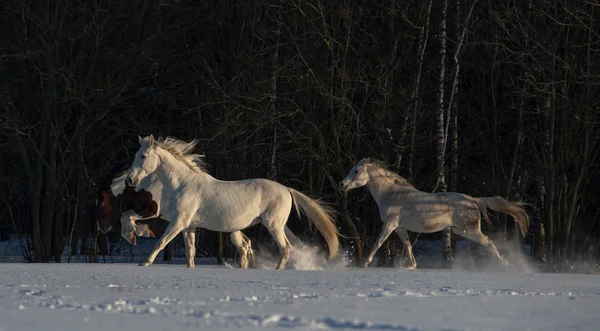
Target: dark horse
108,208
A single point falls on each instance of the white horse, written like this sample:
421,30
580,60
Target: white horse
196,199
151,184
402,207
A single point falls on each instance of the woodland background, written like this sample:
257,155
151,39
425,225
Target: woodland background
482,97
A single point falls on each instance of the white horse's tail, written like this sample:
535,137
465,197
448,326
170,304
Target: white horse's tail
321,216
514,209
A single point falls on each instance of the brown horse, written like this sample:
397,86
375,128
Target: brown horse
109,210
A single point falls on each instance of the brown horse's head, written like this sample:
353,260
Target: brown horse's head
107,210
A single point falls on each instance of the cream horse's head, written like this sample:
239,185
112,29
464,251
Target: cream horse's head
146,161
357,177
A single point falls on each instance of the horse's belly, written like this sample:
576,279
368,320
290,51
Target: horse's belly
429,222
235,225
223,221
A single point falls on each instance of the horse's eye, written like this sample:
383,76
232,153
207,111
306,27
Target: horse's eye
143,156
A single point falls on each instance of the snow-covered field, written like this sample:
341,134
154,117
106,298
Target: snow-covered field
123,296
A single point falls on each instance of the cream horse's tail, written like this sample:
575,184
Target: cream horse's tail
321,216
514,209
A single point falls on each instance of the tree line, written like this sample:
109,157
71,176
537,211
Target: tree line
477,96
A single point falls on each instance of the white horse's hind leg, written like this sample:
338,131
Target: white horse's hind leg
249,251
285,248
386,230
189,236
406,242
172,230
295,241
241,243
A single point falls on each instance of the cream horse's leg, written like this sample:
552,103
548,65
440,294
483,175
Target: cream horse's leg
386,230
479,237
172,230
407,246
189,236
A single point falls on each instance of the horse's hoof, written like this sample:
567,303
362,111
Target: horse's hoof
144,264
365,266
192,266
412,267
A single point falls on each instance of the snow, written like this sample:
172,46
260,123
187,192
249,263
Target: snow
122,296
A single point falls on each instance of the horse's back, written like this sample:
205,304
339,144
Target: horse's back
459,199
234,205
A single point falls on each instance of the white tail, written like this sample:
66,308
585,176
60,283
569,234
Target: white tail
321,216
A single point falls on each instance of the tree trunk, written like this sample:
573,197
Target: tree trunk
440,127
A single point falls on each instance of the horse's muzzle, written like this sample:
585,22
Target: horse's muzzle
101,229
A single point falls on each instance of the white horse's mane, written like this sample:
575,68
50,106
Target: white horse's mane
397,179
181,150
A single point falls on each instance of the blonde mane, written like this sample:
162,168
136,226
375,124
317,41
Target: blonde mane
394,177
181,151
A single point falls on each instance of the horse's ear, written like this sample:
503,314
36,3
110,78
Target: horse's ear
141,140
368,159
151,140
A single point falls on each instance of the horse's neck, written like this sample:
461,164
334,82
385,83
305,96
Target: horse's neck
149,183
173,173
382,186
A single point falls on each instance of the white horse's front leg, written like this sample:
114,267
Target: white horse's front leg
172,230
386,230
406,242
128,226
189,235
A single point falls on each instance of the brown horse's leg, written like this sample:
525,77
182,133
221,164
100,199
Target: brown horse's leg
386,230
407,246
485,241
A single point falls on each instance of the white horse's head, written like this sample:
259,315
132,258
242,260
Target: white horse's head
146,161
357,177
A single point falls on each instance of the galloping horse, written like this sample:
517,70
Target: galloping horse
143,220
402,207
197,199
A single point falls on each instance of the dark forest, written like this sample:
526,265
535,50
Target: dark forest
480,97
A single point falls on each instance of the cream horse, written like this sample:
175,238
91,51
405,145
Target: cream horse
403,208
196,199
151,183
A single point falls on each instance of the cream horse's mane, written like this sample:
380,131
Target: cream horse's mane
394,177
181,150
